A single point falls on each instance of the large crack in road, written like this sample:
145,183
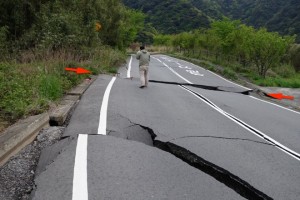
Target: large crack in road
207,87
232,181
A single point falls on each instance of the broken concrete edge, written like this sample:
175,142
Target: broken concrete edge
50,153
19,135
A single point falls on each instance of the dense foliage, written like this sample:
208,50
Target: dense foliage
171,16
67,24
39,38
281,16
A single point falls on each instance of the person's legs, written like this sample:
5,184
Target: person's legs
142,76
146,76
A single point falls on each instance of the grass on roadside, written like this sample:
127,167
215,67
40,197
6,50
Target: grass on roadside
30,88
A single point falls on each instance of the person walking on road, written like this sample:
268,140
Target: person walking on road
144,58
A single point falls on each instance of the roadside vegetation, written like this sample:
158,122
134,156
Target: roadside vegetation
38,39
265,58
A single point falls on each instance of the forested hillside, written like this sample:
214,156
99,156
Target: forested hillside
282,16
171,16
277,15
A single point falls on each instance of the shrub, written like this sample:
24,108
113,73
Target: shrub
50,87
295,57
285,71
228,73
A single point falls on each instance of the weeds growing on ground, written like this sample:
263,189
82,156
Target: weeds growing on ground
30,87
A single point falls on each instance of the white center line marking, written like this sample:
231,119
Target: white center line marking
240,122
243,124
103,111
80,187
174,71
129,68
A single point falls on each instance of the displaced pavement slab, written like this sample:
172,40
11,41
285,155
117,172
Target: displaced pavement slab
122,169
56,181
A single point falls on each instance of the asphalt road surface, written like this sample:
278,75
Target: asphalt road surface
189,135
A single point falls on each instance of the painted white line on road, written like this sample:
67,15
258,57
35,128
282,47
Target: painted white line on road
174,71
80,186
246,126
275,105
177,73
103,111
240,122
229,81
218,76
243,87
129,68
157,59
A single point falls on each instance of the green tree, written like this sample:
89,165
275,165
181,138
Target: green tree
226,30
131,25
266,49
161,39
295,56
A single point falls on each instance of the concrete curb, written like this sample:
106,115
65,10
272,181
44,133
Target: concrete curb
68,103
22,133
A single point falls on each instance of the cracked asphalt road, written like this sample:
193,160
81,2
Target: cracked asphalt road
163,142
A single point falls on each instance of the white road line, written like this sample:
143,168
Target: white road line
229,81
103,111
177,74
219,76
174,71
248,127
240,122
80,186
245,88
129,68
275,105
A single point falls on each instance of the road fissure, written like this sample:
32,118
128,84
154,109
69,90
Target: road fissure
232,181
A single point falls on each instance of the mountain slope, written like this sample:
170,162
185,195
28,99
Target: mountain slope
173,16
